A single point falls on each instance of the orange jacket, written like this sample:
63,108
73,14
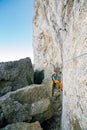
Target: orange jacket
59,84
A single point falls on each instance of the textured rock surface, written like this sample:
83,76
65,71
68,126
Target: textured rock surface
28,104
23,126
54,123
46,42
16,74
60,40
75,70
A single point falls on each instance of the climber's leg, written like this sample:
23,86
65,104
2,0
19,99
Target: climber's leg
59,84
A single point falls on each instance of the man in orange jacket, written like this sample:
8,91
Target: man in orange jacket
55,80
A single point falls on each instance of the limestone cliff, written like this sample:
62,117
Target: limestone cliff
60,40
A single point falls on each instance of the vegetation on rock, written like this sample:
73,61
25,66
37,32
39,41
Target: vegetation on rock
38,76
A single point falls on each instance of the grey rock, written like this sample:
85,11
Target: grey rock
28,104
23,126
54,122
5,90
16,74
41,110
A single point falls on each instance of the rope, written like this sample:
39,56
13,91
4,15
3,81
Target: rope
76,57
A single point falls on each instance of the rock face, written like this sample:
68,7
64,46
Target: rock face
60,40
28,104
16,74
54,123
23,126
46,40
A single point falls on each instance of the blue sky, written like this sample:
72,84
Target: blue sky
16,29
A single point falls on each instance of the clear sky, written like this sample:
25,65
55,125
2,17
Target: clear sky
16,29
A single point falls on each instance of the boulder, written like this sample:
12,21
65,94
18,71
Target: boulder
23,126
5,90
16,74
27,104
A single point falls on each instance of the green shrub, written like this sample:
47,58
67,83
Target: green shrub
38,76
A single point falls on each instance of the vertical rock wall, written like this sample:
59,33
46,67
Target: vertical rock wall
60,40
47,25
75,68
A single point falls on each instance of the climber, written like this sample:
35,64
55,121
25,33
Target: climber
56,81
